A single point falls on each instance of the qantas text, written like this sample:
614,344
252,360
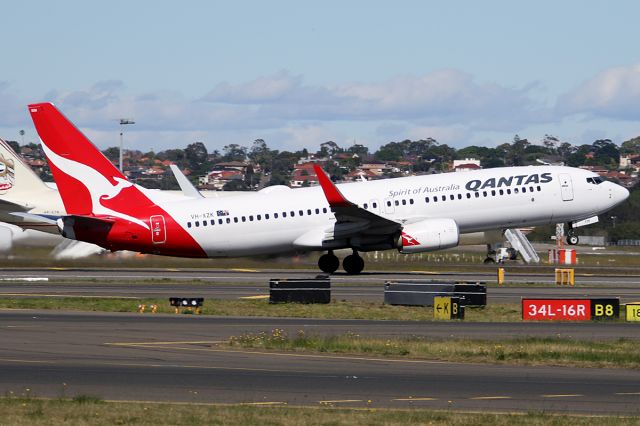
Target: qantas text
474,185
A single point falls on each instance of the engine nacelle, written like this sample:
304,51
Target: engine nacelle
429,235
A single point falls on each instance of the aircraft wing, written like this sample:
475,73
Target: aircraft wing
352,220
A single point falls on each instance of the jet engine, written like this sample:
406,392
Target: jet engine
428,235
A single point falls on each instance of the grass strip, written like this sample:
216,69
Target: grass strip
92,411
262,308
558,351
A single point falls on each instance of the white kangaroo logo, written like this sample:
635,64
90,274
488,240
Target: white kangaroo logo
98,186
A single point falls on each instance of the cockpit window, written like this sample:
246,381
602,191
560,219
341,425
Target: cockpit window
597,180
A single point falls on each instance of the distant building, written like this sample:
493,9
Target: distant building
303,175
466,165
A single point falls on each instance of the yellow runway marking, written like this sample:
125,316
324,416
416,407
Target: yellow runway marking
490,397
337,401
570,395
425,272
415,399
23,361
244,270
197,342
262,296
627,393
67,295
264,403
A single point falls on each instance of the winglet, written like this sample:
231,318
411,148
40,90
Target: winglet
333,194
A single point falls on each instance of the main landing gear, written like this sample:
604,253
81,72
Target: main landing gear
352,264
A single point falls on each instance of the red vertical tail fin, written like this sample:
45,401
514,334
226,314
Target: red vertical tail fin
88,182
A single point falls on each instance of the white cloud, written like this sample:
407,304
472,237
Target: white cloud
457,135
448,105
613,93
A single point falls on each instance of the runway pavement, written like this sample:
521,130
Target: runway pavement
226,284
176,357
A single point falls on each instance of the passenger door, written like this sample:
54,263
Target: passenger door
566,187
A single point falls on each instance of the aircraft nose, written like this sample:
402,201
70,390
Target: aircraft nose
620,193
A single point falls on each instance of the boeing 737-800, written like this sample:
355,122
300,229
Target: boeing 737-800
410,214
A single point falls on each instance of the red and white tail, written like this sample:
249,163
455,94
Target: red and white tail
88,182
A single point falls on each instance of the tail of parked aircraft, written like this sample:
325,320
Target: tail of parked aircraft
17,180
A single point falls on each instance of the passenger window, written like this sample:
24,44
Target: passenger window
484,193
301,212
365,206
244,219
452,197
508,191
477,195
266,216
388,203
204,223
324,210
524,189
309,212
317,211
426,199
501,192
444,198
197,224
493,192
213,222
468,195
259,217
375,205
188,224
435,199
539,189
235,220
284,214
515,190
397,203
404,202
293,214
410,200
228,220
219,221
250,218
459,196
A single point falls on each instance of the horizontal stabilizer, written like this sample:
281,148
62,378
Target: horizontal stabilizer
85,228
36,218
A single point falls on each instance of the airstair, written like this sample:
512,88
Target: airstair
521,243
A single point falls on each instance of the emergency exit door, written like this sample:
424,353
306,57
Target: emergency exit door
566,187
158,229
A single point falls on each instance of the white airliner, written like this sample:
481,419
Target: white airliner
411,214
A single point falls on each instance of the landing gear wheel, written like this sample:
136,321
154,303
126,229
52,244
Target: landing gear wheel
353,264
328,263
489,261
572,239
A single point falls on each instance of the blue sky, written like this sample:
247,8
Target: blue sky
299,74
